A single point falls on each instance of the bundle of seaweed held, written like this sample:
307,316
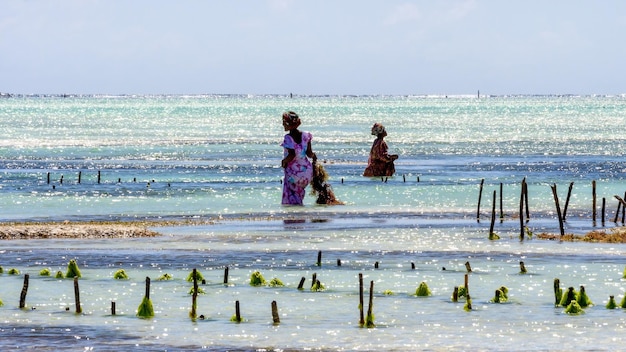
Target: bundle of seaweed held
321,188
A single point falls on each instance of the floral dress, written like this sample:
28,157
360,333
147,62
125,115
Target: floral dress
299,171
379,163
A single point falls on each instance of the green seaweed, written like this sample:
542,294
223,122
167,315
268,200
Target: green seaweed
568,297
462,291
1,270
369,320
500,295
275,282
201,291
13,271
493,236
120,275
468,304
257,279
583,300
164,277
1,303
59,275
558,292
611,304
145,309
44,272
235,320
72,270
388,293
574,308
423,290
623,302
199,276
317,286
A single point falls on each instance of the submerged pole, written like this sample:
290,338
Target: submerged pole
480,195
569,194
361,316
24,291
558,209
77,296
521,211
493,213
275,316
593,196
501,211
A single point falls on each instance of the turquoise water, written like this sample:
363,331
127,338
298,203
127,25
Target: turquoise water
217,158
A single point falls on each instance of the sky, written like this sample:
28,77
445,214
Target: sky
313,47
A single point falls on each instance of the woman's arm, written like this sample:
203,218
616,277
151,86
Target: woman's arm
309,152
291,154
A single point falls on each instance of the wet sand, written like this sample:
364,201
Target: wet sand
130,229
69,230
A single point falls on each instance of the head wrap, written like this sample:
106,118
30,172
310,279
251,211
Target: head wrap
377,129
291,120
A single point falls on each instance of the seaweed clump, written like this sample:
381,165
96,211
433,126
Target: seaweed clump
44,272
13,271
164,277
582,299
257,279
423,290
501,295
199,276
611,304
59,275
145,309
275,282
120,275
72,270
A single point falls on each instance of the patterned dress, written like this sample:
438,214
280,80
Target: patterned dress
299,171
379,162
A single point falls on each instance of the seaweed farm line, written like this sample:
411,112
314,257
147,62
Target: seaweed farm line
327,319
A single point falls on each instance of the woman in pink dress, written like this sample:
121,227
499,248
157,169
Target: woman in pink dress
298,168
380,163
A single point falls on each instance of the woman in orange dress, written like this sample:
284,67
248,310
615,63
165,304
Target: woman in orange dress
380,163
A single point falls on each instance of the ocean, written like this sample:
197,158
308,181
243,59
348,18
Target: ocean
213,161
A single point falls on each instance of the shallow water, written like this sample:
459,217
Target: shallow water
216,159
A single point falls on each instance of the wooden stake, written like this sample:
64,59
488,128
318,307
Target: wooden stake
558,209
194,296
147,287
468,267
361,317
501,208
301,284
319,258
493,213
77,296
522,268
603,209
466,285
480,195
526,200
237,312
24,292
455,294
98,176
275,316
370,308
80,174
376,265
569,194
338,262
619,205
313,279
521,211
112,307
593,196
226,276
48,178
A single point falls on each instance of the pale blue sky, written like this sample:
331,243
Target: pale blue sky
313,47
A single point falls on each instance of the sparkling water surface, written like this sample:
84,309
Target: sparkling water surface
215,160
